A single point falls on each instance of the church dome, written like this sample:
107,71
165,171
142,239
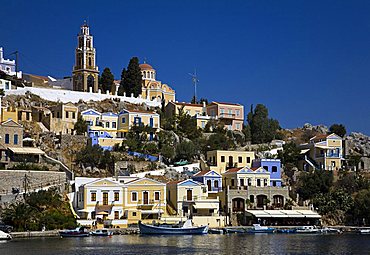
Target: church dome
146,66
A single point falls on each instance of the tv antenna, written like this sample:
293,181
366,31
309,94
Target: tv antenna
195,81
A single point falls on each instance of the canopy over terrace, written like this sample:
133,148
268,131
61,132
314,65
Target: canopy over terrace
283,217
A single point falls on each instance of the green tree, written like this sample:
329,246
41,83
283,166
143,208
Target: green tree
80,126
185,150
263,129
314,183
338,129
361,207
187,126
131,79
247,133
289,155
106,80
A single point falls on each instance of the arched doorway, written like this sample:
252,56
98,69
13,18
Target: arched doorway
261,200
278,201
90,82
238,204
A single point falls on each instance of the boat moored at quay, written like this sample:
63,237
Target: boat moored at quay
186,229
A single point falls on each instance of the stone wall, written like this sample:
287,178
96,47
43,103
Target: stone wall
35,180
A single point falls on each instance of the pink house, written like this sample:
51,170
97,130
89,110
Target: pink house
232,115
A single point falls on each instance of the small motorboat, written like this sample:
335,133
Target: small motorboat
286,231
364,231
308,230
185,229
101,232
215,231
327,230
257,228
5,236
234,230
77,232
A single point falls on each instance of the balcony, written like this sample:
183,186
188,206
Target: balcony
227,115
194,198
215,189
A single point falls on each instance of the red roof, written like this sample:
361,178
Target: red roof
201,173
234,170
254,168
140,111
145,66
321,136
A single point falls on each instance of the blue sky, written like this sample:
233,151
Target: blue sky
307,61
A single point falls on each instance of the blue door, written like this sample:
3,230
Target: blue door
151,122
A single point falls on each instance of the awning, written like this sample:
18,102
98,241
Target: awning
26,150
152,211
84,210
28,139
323,147
205,205
284,214
102,213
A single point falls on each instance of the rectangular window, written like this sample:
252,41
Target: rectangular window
134,196
264,182
123,120
273,183
240,159
237,112
134,214
237,126
248,159
251,198
114,124
93,196
107,125
116,215
15,139
258,183
274,169
266,168
116,196
232,182
156,196
222,158
203,124
67,114
7,138
105,198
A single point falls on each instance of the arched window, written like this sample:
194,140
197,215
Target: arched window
90,61
144,75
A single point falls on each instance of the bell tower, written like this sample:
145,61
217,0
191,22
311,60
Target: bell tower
85,72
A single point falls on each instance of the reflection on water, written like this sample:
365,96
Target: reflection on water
209,244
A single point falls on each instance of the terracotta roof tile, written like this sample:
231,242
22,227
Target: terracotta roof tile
202,173
234,170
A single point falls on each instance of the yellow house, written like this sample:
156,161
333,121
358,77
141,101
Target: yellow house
174,108
129,118
103,201
145,200
190,197
64,117
117,203
220,160
8,113
322,152
153,89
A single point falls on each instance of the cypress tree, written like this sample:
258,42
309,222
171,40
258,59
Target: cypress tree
131,79
106,80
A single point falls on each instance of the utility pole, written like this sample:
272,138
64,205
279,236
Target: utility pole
195,81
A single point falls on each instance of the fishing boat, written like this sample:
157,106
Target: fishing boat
234,230
77,232
364,231
257,228
286,231
101,232
327,230
215,231
5,236
185,229
307,230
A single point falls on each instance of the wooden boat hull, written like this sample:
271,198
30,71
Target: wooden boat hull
154,230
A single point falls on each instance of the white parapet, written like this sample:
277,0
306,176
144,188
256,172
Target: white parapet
66,96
